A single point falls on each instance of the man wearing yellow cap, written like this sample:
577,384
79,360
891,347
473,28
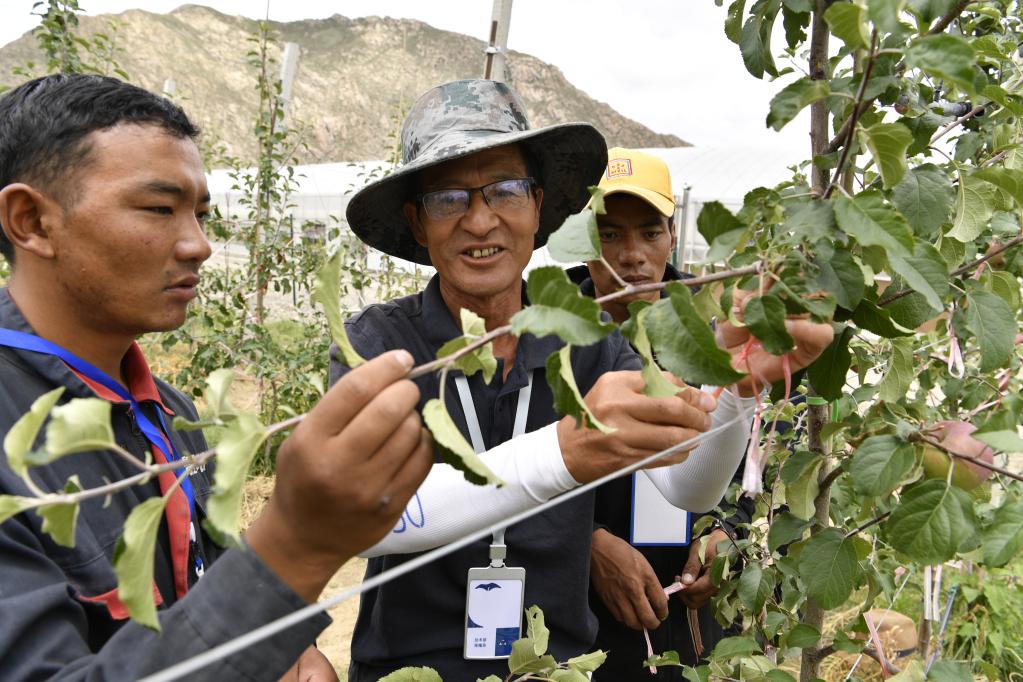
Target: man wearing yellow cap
641,543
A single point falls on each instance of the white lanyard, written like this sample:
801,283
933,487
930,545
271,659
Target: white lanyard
498,550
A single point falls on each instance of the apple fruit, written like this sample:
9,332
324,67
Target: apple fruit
955,437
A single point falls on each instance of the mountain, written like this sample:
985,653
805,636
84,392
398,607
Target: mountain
355,78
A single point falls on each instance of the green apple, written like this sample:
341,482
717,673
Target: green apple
955,437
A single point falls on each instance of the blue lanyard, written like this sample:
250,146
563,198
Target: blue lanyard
155,435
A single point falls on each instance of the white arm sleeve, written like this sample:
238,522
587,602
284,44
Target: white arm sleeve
446,507
698,483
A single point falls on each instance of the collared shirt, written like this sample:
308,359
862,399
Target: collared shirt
186,565
418,619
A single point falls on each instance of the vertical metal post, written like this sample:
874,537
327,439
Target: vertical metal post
289,66
680,257
495,65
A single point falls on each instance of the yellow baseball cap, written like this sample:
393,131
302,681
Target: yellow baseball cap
641,175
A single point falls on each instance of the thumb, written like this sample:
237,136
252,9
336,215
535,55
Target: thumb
691,571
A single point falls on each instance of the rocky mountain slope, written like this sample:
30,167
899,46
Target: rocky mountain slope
355,78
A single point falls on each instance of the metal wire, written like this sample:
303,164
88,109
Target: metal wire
237,644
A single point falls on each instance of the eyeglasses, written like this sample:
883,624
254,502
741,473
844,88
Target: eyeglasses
503,195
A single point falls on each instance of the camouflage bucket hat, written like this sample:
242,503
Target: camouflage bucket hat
461,118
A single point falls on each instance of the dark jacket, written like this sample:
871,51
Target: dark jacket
49,626
418,619
613,513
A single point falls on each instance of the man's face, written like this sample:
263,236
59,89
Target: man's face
635,240
127,251
484,251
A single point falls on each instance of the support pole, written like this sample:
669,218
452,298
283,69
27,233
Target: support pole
495,66
289,66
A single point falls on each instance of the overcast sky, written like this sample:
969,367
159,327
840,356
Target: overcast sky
665,63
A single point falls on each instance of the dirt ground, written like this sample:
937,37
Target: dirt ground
336,640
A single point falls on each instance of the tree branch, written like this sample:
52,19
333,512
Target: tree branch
979,462
961,270
854,115
873,522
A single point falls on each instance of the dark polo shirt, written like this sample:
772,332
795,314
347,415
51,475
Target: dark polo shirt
418,619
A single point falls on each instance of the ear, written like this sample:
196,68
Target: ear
411,210
27,217
673,232
539,203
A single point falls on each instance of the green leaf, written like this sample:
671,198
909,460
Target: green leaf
587,663
994,327
480,360
924,197
218,386
567,399
536,630
133,561
1003,441
577,239
885,13
812,219
877,320
803,636
944,56
828,372
847,21
634,329
779,675
730,647
1005,286
238,444
755,586
793,98
80,425
327,293
932,521
765,318
733,24
841,277
799,473
925,271
22,435
888,143
755,41
949,671
880,465
715,220
1009,180
453,447
14,504
568,675
785,528
873,223
684,344
558,308
59,519
1003,537
667,659
975,203
524,660
900,374
415,675
829,568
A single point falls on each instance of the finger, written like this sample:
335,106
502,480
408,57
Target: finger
356,389
691,571
412,472
379,419
646,439
644,612
688,409
656,597
384,463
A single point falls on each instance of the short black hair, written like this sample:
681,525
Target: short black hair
44,123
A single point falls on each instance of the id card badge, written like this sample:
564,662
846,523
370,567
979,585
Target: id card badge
655,521
493,611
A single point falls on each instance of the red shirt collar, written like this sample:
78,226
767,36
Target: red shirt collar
138,375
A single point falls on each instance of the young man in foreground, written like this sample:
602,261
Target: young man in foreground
102,203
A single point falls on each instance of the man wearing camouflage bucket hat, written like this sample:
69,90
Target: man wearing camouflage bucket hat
460,140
